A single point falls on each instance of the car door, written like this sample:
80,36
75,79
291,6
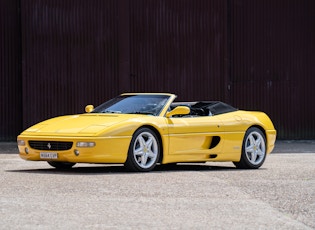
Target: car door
193,135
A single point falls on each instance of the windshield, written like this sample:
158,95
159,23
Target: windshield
134,104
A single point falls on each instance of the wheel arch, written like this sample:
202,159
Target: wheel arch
261,129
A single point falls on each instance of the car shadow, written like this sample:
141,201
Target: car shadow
190,167
120,169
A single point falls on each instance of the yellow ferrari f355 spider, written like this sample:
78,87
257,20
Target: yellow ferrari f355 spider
141,130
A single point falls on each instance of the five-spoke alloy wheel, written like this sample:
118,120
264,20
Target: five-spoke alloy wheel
253,149
144,151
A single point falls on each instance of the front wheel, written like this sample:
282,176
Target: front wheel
144,151
61,165
253,150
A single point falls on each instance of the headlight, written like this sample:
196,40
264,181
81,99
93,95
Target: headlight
21,142
84,144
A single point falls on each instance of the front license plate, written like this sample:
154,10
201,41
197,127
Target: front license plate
47,155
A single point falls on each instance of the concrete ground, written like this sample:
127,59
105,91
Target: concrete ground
279,195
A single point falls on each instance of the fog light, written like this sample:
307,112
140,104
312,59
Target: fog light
85,144
21,142
26,150
76,152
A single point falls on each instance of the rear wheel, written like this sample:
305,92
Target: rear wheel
144,151
61,165
253,150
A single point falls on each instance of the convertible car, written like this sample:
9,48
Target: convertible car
141,130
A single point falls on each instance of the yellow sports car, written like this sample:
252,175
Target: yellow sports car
141,130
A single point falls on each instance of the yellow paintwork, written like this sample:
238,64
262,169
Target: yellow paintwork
183,139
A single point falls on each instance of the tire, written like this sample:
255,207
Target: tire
61,165
144,151
253,150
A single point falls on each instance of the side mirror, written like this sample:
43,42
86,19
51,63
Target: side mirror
89,108
179,110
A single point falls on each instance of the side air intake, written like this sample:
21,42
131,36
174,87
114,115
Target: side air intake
215,141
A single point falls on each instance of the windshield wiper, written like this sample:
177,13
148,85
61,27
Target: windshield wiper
145,113
111,111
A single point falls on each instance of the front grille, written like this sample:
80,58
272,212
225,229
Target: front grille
51,145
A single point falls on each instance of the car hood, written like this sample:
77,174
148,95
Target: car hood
81,125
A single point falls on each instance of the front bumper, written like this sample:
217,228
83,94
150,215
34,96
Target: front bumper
106,149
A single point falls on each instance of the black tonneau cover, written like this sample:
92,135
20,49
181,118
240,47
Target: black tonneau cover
206,108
